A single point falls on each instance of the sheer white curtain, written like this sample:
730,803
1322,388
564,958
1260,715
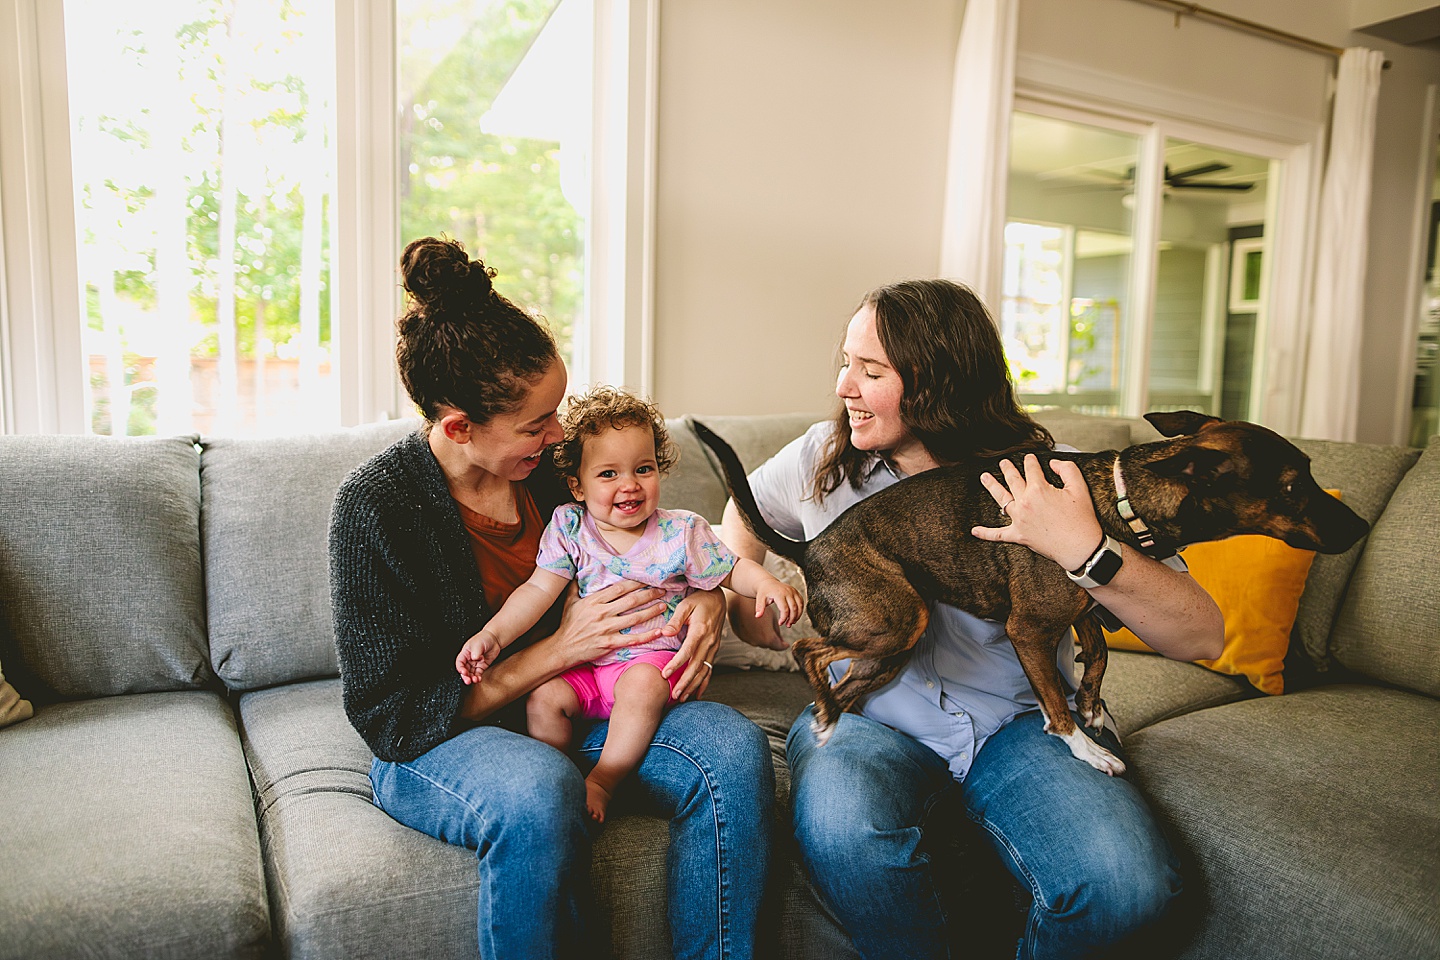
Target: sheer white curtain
972,247
1337,297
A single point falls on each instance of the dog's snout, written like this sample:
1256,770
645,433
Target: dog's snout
1333,528
1346,535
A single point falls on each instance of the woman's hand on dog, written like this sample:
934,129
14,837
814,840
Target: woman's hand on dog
704,612
1056,522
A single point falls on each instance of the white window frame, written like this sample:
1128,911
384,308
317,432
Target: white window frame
42,379
1047,86
618,343
42,382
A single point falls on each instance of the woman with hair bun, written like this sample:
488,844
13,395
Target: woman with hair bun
427,540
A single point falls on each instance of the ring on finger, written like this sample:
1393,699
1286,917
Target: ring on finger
1005,507
708,664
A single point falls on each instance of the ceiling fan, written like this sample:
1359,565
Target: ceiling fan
1186,179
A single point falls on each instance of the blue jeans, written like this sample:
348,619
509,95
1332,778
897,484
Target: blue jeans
520,805
869,805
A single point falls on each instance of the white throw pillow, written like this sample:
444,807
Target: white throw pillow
735,652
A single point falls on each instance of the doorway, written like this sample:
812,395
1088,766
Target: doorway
1425,401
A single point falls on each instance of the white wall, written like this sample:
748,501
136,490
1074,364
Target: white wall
801,162
801,159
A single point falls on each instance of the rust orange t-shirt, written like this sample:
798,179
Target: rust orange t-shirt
505,552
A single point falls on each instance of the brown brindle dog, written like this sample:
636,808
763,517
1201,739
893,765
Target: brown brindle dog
873,572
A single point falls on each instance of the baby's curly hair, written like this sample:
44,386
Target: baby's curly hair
607,408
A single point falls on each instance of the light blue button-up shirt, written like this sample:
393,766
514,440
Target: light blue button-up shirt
964,680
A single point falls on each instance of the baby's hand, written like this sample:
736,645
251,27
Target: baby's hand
478,653
786,599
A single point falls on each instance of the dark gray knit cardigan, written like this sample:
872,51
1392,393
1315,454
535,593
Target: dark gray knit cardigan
406,595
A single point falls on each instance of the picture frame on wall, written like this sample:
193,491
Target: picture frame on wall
1247,262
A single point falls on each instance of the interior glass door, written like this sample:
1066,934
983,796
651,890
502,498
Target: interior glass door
1425,403
1117,305
1068,251
1209,280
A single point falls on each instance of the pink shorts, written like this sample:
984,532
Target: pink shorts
595,686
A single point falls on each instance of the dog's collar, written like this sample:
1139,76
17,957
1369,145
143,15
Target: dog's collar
1128,514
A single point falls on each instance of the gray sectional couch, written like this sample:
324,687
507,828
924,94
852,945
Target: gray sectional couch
189,787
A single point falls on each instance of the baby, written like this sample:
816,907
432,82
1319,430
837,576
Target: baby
615,449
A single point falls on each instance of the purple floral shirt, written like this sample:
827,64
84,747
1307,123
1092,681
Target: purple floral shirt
678,552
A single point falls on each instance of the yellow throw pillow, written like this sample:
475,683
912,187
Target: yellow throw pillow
1257,582
12,708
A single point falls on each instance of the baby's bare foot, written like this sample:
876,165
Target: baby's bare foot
597,798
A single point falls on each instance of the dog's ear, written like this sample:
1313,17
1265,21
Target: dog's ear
1181,422
1201,463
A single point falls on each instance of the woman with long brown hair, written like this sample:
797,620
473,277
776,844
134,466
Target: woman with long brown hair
923,382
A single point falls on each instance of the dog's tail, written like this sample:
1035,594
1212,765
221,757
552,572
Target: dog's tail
739,488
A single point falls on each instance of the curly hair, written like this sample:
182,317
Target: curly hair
607,408
957,398
460,343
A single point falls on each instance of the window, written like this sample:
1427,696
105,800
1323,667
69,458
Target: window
1121,243
203,216
495,128
201,136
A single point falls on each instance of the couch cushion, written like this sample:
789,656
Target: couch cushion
347,881
129,831
266,522
1389,627
773,700
755,439
1366,475
692,484
1308,821
100,578
1141,689
1084,433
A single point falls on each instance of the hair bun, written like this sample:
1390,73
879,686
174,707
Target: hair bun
437,271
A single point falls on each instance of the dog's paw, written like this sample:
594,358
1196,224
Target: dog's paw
821,730
1092,753
1095,716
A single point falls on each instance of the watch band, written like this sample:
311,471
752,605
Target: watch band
1102,566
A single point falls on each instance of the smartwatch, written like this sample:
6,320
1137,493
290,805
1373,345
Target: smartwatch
1102,566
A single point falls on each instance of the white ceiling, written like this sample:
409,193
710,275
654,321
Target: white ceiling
1071,157
1404,21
